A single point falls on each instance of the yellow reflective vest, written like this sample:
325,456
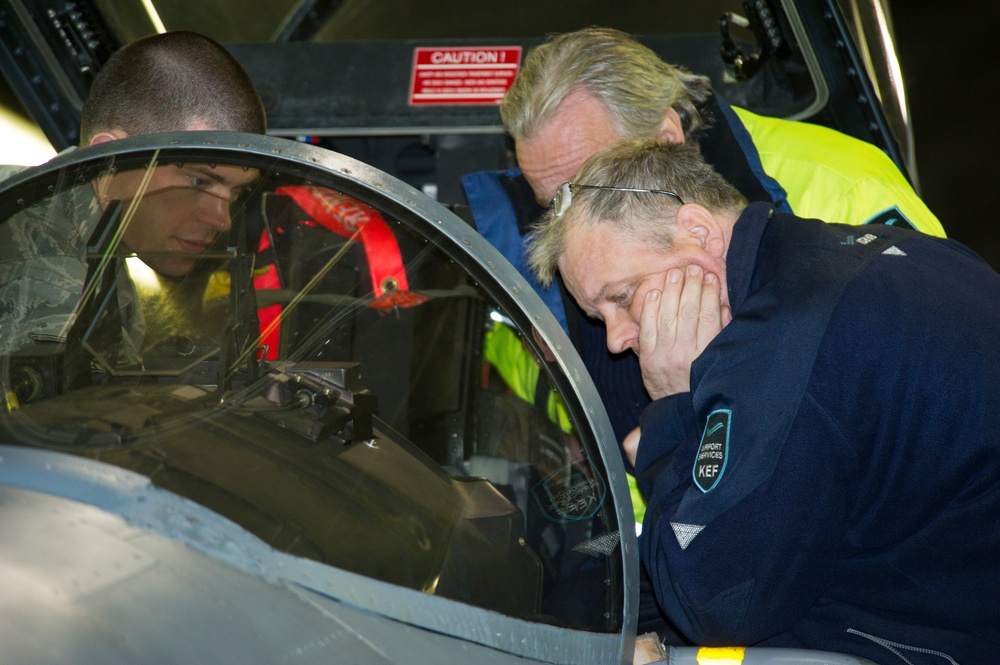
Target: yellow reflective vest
835,177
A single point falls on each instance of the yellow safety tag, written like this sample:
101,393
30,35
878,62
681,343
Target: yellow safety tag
720,655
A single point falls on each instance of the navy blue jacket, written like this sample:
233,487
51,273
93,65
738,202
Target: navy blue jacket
833,479
498,199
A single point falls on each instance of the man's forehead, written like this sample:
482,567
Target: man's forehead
587,264
581,127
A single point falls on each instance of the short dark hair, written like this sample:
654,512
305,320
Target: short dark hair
163,82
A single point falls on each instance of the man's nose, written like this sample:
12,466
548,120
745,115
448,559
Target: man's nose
218,214
621,336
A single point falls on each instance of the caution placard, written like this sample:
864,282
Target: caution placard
463,74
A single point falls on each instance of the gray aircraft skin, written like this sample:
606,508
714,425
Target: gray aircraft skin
332,435
185,506
218,500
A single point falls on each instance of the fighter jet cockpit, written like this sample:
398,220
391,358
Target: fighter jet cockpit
280,398
319,354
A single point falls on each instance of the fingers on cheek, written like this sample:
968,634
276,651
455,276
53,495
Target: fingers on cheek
650,304
675,277
712,296
649,316
694,282
673,285
691,302
710,292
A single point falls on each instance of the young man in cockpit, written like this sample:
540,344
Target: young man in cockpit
176,81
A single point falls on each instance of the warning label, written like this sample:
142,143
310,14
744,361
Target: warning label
463,75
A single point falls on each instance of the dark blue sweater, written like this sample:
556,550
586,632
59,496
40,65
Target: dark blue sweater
854,505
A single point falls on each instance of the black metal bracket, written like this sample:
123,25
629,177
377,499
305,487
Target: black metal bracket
763,22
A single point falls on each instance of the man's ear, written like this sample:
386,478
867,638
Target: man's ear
699,223
110,135
671,129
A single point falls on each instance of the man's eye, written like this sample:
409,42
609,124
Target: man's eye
198,181
621,299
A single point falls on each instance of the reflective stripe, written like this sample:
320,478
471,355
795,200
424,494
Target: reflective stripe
518,369
720,655
833,176
638,503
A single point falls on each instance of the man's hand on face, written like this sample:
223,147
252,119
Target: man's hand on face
676,325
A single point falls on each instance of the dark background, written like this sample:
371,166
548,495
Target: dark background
948,55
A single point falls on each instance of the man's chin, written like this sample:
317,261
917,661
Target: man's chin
174,267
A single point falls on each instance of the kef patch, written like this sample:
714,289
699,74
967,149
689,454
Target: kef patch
710,461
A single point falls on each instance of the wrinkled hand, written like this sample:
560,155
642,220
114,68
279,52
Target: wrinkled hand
676,325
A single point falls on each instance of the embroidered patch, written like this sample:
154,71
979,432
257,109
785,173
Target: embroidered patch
891,217
685,533
710,461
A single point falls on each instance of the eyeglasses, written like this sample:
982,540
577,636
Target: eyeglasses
564,195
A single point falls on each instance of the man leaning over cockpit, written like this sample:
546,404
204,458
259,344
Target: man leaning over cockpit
176,81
